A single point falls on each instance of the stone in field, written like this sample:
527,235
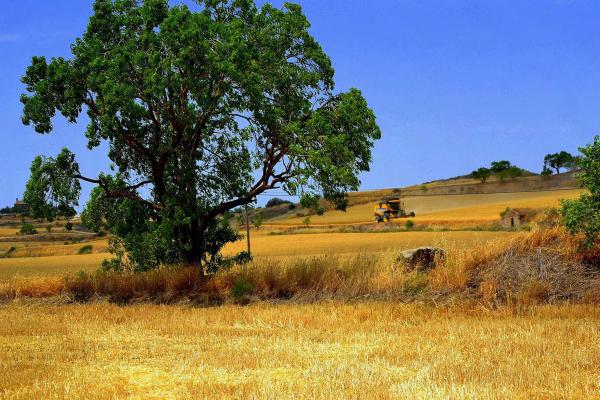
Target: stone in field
421,258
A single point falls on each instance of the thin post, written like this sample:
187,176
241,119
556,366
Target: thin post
247,229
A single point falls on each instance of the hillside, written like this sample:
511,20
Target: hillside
460,202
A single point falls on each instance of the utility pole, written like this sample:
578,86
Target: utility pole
247,229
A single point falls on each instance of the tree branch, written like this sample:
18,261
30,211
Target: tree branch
125,193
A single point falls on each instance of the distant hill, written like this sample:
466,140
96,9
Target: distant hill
466,197
468,185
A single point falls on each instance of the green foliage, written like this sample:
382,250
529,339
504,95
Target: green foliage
482,174
583,215
28,229
49,228
192,105
511,172
53,188
258,220
559,160
87,249
546,172
409,224
68,226
241,288
306,221
276,202
499,166
424,188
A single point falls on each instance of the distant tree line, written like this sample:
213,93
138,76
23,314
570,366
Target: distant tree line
552,162
501,169
17,209
275,201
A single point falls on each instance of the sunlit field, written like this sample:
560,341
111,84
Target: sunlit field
479,208
49,266
326,351
352,243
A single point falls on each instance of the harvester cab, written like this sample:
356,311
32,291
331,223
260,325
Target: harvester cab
390,207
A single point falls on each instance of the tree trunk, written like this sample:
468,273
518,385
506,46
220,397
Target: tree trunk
194,255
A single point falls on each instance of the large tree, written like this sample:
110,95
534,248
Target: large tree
582,215
203,109
559,160
482,174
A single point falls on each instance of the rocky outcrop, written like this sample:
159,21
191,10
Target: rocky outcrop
422,258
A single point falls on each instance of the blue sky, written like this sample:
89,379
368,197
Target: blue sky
454,84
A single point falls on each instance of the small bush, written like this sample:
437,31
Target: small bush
28,229
409,224
87,249
583,215
68,226
49,228
241,288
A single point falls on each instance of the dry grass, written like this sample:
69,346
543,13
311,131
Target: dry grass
377,350
532,268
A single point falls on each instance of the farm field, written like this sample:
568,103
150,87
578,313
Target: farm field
479,208
266,245
326,351
57,260
49,266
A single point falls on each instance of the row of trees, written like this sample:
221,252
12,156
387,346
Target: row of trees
502,169
13,210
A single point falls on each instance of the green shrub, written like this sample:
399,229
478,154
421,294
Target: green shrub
87,249
68,226
28,229
583,215
241,288
409,224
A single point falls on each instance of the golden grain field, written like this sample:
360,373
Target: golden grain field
473,207
49,266
57,260
318,351
296,245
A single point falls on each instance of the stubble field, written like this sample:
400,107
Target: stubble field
282,351
300,348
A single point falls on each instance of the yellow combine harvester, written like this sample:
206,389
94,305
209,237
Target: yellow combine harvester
390,207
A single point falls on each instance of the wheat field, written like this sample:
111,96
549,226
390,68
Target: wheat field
267,245
57,260
470,207
286,351
49,266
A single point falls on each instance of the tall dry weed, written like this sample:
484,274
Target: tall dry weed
532,268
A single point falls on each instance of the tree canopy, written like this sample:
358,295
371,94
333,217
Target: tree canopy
583,215
499,166
202,109
557,161
482,174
